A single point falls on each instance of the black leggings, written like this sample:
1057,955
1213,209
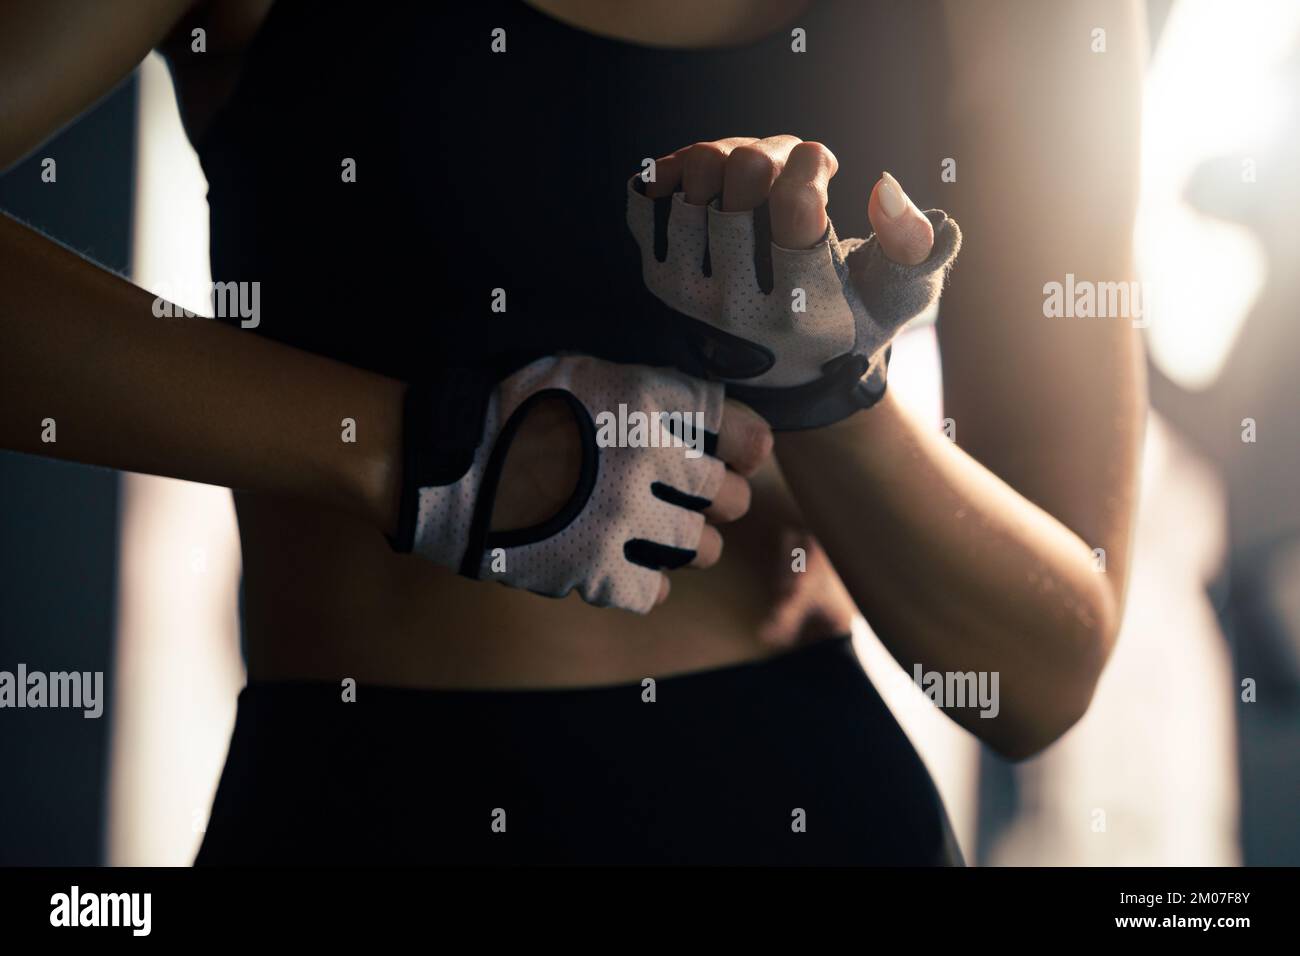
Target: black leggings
794,759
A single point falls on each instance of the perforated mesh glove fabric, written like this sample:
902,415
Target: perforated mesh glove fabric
800,335
636,509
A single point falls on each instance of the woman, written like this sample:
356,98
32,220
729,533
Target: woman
386,176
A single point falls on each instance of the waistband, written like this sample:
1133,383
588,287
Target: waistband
804,665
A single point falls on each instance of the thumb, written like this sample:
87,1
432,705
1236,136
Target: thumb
904,233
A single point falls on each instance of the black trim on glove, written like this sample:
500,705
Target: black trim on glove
842,391
481,539
442,426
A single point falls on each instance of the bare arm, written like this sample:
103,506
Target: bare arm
182,397
59,57
114,384
978,555
186,398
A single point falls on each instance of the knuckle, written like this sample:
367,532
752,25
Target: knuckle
757,444
668,172
752,161
719,544
920,234
709,548
742,496
800,202
816,156
705,156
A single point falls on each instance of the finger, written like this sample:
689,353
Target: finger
744,438
703,165
752,169
797,200
668,175
902,230
709,549
732,500
665,588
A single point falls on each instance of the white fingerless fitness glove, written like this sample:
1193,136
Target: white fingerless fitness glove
800,335
635,511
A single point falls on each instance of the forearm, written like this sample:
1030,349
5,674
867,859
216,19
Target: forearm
954,569
186,398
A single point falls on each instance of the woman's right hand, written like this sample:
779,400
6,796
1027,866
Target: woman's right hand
543,463
609,475
542,466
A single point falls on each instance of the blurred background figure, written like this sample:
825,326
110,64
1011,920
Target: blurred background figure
1190,753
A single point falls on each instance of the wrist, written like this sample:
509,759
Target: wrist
430,434
373,476
871,436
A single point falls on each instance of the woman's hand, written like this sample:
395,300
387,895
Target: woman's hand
541,472
763,293
793,177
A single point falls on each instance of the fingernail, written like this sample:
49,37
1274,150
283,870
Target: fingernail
892,198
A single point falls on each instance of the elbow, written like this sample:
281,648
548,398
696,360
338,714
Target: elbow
1067,683
1031,737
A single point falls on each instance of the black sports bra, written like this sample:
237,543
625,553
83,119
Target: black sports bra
479,170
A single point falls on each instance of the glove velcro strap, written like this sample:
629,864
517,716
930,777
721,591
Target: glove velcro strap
706,351
841,392
442,426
